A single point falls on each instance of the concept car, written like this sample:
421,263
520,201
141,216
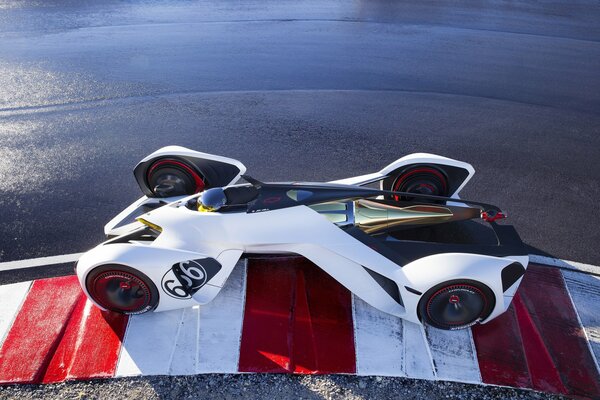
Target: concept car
177,245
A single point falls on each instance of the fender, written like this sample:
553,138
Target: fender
426,272
157,263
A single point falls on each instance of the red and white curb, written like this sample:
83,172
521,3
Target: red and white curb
286,315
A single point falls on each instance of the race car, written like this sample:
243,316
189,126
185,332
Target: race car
177,245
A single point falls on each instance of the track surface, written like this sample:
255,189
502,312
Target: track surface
306,90
305,324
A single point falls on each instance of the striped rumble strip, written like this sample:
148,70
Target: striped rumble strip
285,315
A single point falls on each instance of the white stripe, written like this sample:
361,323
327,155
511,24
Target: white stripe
557,262
199,339
11,298
454,355
378,341
38,262
584,291
389,346
220,329
184,357
149,343
418,362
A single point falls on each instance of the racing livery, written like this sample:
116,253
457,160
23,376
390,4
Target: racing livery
177,245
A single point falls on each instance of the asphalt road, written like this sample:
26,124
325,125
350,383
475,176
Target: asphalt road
302,91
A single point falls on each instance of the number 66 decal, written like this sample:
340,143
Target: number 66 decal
194,274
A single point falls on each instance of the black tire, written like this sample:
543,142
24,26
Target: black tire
421,179
122,289
456,304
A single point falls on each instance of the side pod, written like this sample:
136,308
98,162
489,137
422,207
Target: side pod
165,268
454,174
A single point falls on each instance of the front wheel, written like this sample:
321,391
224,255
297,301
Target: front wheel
122,289
456,304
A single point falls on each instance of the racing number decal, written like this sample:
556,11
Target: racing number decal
190,276
174,289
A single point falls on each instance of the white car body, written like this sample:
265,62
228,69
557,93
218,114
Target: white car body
189,235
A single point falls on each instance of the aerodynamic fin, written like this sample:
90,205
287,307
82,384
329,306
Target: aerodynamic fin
252,181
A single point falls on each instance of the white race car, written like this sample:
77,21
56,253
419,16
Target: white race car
177,245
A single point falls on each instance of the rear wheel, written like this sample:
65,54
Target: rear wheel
420,179
122,289
456,304
167,177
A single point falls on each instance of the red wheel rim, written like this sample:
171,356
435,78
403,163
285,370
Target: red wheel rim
198,181
429,186
458,305
121,291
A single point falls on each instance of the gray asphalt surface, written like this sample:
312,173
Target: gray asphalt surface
306,90
303,90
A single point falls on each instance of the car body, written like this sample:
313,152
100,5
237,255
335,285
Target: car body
163,253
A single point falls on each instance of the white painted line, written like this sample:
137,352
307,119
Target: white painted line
11,298
149,343
454,355
220,330
38,262
418,362
209,336
378,341
584,291
388,346
557,262
199,339
185,352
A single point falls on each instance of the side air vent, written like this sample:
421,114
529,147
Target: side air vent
386,284
511,274
145,233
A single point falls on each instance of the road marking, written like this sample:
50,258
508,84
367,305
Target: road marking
89,346
585,295
418,362
11,299
554,309
220,326
39,262
538,343
37,329
203,338
296,319
453,355
149,343
557,262
378,339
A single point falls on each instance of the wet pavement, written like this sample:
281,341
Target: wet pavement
302,90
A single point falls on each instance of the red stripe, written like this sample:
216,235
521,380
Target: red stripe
297,319
549,305
538,343
55,336
90,345
542,371
500,352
